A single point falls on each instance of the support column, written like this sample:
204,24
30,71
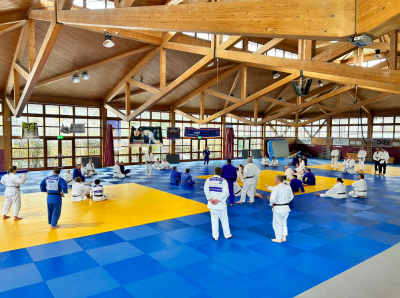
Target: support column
16,88
329,126
263,139
244,82
172,119
370,119
163,68
256,110
7,136
393,50
202,106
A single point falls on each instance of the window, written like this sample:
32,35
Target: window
386,128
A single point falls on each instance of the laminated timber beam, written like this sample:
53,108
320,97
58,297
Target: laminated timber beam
13,17
335,20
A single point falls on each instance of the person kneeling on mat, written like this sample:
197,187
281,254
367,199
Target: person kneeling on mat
309,178
360,188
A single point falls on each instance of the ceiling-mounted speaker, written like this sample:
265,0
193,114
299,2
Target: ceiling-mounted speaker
302,85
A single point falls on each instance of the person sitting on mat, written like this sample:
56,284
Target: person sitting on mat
305,160
360,188
69,178
294,161
296,184
337,192
186,179
274,162
309,178
175,176
265,161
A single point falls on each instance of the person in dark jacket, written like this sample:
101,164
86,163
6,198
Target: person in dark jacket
229,173
175,177
309,178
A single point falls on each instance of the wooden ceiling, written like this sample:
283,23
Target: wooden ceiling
77,47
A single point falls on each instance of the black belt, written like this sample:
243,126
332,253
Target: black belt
237,192
69,181
148,162
98,195
361,190
13,186
343,193
248,177
230,179
281,204
50,193
76,196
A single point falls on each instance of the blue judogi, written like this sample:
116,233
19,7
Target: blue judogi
123,171
296,185
77,173
305,160
295,160
186,180
309,178
175,177
54,185
230,175
206,154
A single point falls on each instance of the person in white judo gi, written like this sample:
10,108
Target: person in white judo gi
240,171
351,165
299,172
216,190
91,168
345,163
362,155
150,135
360,188
149,159
84,171
376,159
117,171
384,159
80,191
274,162
280,198
251,171
288,172
69,178
302,164
12,195
165,165
97,192
157,165
265,161
337,192
334,158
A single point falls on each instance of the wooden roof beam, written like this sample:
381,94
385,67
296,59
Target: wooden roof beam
222,96
357,98
335,19
241,119
132,3
13,17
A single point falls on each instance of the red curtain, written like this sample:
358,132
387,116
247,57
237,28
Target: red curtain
229,143
109,150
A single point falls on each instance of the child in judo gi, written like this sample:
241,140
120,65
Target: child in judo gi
12,193
98,192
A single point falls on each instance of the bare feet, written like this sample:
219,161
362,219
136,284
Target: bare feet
53,228
283,238
317,194
259,195
5,217
276,240
229,237
361,197
239,202
216,239
17,218
251,202
232,205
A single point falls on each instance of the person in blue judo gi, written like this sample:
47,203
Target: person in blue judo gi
229,173
186,179
296,186
309,178
295,160
77,173
175,176
55,187
206,154
305,160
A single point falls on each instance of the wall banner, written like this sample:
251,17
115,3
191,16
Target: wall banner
74,128
341,142
191,132
304,141
173,133
382,143
146,136
30,131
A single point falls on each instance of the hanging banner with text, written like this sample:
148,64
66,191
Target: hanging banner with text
30,131
341,142
146,136
381,143
173,133
304,141
191,132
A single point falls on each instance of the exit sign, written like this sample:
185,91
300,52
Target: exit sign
60,137
199,138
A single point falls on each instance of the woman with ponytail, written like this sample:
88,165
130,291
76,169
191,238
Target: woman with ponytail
337,192
12,193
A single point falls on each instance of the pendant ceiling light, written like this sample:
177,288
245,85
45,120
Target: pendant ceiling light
108,43
320,83
275,75
75,78
85,76
378,54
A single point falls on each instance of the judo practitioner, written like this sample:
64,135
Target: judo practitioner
122,168
230,175
216,190
296,185
351,165
305,160
149,135
337,192
360,188
55,187
302,164
12,193
250,172
274,162
240,171
294,161
69,178
117,171
186,179
309,178
91,168
334,158
265,161
345,164
165,165
384,159
206,154
149,159
77,173
80,191
376,159
97,192
280,198
175,176
84,171
362,154
288,172
157,165
299,172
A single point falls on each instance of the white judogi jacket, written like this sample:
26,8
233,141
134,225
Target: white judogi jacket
351,163
376,156
335,154
345,164
79,191
251,170
117,172
164,165
362,154
300,173
384,157
148,157
281,194
239,175
216,188
265,162
90,167
274,163
69,178
83,171
12,183
360,188
337,192
288,173
157,165
98,193
302,165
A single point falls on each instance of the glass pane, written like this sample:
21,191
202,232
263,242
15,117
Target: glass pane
52,110
35,109
52,148
66,148
19,143
94,132
52,131
94,143
20,163
35,143
94,123
18,121
38,120
66,111
36,163
81,111
81,142
52,162
93,112
135,158
20,153
94,151
36,152
67,162
81,151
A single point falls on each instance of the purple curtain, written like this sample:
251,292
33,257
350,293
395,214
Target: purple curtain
109,150
229,143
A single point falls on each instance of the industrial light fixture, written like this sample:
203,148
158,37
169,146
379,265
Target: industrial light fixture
108,43
333,41
231,94
85,76
141,79
275,75
211,64
75,78
320,83
281,99
378,54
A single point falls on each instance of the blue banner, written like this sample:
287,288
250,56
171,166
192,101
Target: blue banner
202,132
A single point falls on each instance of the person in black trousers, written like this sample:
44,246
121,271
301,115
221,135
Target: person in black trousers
376,159
384,156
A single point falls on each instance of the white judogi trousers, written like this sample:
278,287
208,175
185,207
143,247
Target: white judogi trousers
356,194
334,163
12,197
361,164
248,188
149,168
279,223
216,216
101,198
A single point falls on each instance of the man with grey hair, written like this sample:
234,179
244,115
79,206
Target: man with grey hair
251,171
279,200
